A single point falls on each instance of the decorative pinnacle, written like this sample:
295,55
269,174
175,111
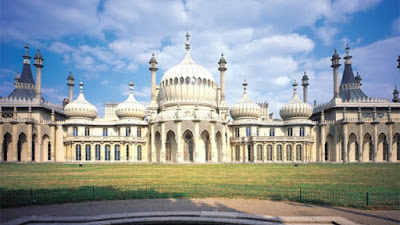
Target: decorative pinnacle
26,56
294,86
187,41
244,86
131,86
81,86
347,49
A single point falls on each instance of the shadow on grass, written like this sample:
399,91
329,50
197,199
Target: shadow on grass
24,197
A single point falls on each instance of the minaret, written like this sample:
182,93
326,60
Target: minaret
222,69
39,65
395,94
335,65
358,79
304,83
153,69
71,84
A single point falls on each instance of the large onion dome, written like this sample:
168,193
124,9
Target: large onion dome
296,108
245,108
187,84
80,108
130,108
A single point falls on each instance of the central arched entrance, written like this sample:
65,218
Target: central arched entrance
171,147
205,145
6,148
188,146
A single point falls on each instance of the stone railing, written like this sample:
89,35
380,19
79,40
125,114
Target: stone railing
273,139
104,139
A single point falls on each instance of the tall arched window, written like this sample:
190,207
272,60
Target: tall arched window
87,153
127,131
269,152
139,132
33,149
299,153
127,152
357,151
301,131
75,131
139,153
259,153
371,151
326,151
237,153
398,148
279,152
107,153
49,151
237,132
117,155
272,132
248,131
78,153
98,152
289,152
105,132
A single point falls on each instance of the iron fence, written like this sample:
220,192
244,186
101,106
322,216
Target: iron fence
23,197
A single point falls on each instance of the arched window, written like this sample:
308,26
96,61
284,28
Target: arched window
248,131
371,153
107,153
299,153
398,148
357,151
33,149
237,153
290,132
139,132
272,132
127,152
127,131
139,153
49,151
117,155
301,131
269,152
279,152
87,131
326,151
249,151
78,153
289,152
105,132
237,132
75,131
97,152
87,153
259,153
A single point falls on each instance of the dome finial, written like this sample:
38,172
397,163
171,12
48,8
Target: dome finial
81,86
187,41
294,86
131,87
348,56
244,86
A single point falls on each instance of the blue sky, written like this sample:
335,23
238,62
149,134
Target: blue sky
268,43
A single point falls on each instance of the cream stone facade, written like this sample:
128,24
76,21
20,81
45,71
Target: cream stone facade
189,121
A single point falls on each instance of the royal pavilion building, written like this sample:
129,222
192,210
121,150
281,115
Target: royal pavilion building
189,121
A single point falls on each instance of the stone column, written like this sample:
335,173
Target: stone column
233,153
294,153
39,151
375,140
179,142
112,152
322,147
273,152
92,152
29,139
163,141
196,139
390,145
304,154
153,150
214,156
14,144
284,152
345,153
264,150
243,152
228,143
335,144
83,152
255,152
224,149
52,141
360,143
1,138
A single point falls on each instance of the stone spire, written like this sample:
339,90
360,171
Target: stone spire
395,94
39,65
347,57
153,69
335,65
187,42
222,69
71,84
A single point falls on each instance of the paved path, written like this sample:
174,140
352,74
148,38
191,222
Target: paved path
253,206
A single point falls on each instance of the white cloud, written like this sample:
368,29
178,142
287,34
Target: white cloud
396,26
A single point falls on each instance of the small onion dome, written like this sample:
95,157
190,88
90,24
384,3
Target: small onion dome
335,55
296,108
153,59
38,55
245,108
222,59
80,108
130,108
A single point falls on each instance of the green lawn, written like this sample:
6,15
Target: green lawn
345,177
